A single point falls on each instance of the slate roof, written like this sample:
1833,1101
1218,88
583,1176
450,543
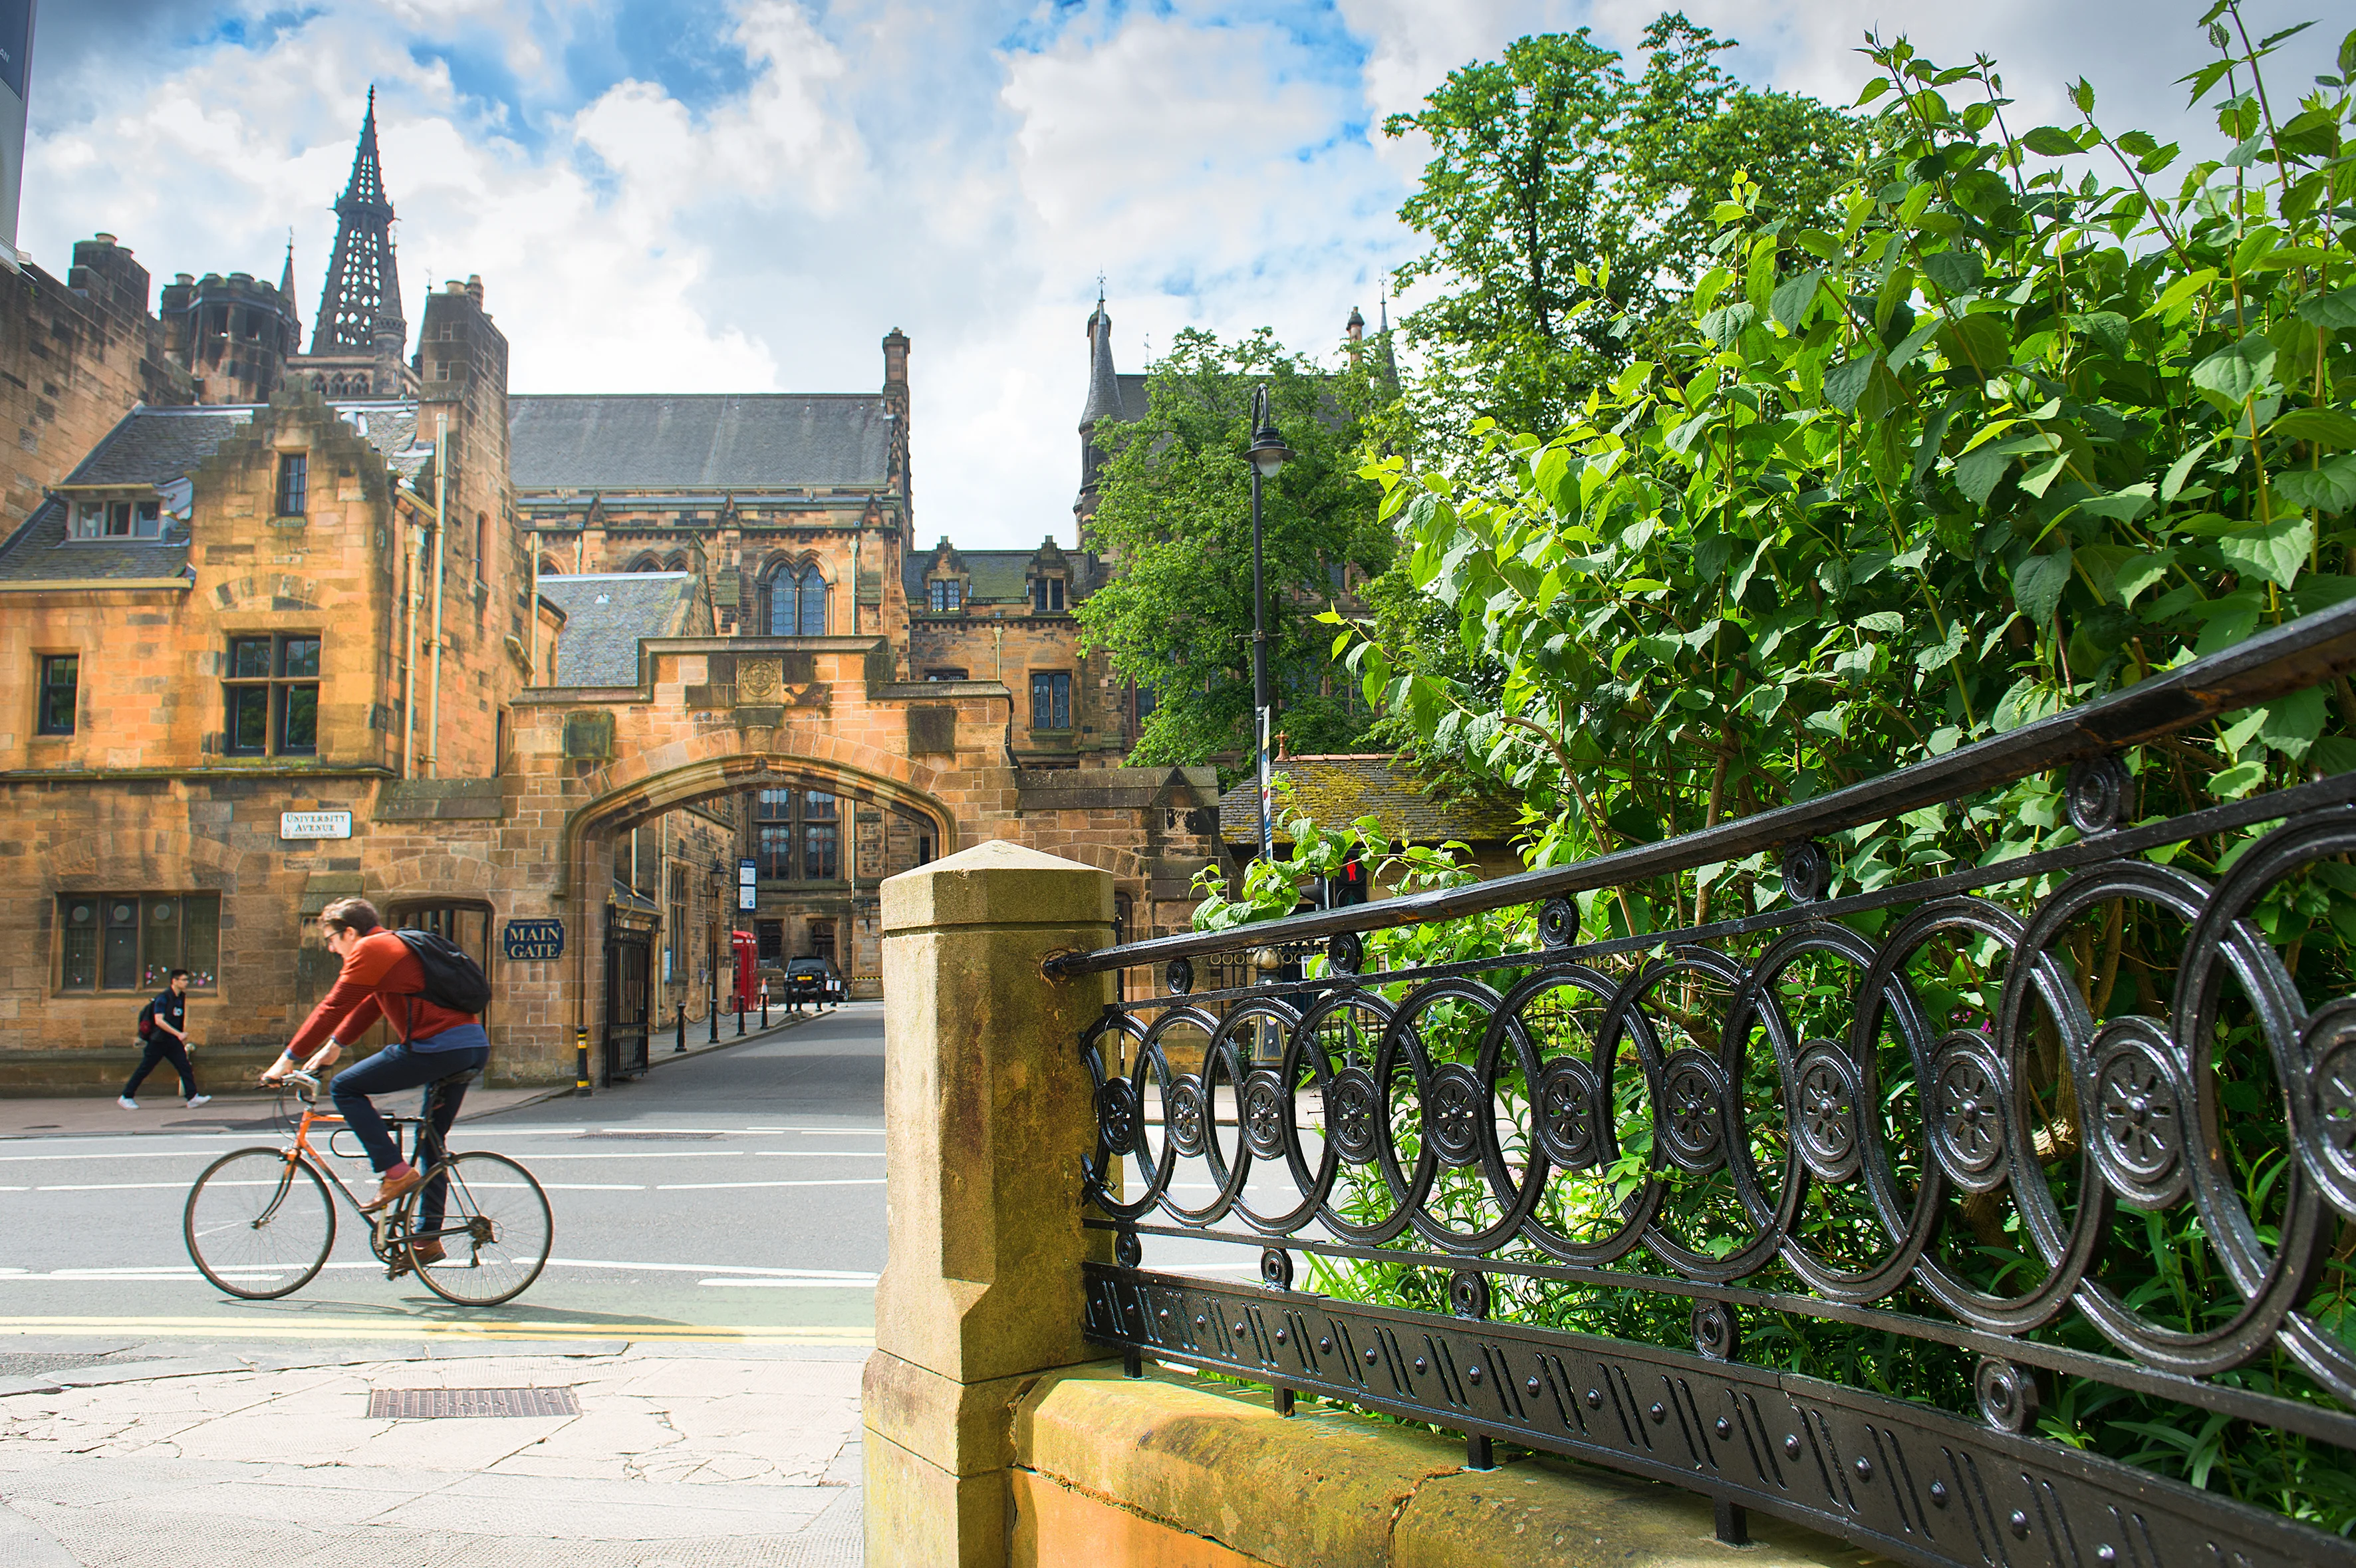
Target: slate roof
151,447
1337,791
1001,576
697,441
147,447
605,614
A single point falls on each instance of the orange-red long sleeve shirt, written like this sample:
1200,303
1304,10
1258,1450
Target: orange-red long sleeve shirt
380,977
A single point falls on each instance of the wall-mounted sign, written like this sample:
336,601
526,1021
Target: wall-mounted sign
533,940
748,886
315,824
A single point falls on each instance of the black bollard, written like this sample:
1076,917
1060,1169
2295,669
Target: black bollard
682,1028
713,1012
764,1007
740,1017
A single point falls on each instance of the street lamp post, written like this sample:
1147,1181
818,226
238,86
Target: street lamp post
1268,454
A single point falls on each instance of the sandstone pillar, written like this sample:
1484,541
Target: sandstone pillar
989,1112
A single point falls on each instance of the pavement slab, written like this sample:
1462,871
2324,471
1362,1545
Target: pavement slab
743,1457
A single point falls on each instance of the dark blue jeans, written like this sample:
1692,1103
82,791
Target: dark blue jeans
397,1067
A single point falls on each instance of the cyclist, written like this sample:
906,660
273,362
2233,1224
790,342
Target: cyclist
382,976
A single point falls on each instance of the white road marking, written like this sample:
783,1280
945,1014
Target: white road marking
795,1284
709,1185
822,1153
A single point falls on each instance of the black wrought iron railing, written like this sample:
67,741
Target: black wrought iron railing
2001,1208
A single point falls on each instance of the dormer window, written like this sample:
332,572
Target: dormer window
119,519
947,596
1047,594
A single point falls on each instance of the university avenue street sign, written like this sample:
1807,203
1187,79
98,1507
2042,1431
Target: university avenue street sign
315,824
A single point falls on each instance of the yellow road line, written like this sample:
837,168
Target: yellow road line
444,1328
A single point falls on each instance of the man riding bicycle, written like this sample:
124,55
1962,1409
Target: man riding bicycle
381,977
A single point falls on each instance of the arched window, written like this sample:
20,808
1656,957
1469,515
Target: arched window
646,564
549,568
797,601
677,561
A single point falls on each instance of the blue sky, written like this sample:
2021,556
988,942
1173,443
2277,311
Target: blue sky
746,194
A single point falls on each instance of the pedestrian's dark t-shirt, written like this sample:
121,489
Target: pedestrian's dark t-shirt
170,1008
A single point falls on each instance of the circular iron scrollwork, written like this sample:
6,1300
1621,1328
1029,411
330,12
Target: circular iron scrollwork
1825,1085
2328,1109
1716,1333
1454,1105
1566,1113
2139,1119
1807,872
1127,1249
1266,1109
1117,1121
1354,1107
1179,975
1968,1112
1276,1268
2096,793
2006,1394
1468,1293
1187,1115
1345,952
1693,1111
1558,922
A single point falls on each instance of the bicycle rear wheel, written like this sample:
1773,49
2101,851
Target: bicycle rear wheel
495,1229
258,1224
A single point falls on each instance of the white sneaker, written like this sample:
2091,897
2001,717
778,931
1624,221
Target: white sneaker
126,1102
196,1100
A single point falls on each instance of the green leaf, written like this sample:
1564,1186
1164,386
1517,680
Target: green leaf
2275,551
1846,382
2329,488
2236,372
2179,470
2333,310
1981,342
1955,272
2293,722
1882,620
2052,141
2120,506
2326,426
2237,781
2037,585
2333,754
2107,327
1790,303
2135,578
1931,660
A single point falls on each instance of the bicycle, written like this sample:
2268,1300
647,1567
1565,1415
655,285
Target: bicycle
259,1222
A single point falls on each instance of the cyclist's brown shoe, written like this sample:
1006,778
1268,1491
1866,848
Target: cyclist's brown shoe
395,1185
426,1254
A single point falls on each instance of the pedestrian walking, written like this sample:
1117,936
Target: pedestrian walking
164,1034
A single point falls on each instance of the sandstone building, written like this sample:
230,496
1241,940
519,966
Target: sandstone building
538,671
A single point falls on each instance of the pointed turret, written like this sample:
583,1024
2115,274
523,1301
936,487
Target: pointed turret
1386,365
361,304
1104,386
286,289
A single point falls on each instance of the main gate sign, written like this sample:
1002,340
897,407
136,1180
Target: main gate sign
530,941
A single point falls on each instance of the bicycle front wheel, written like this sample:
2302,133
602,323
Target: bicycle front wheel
494,1229
259,1225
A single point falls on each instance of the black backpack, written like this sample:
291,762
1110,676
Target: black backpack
453,980
147,1022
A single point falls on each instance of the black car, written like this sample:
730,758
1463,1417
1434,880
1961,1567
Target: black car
813,980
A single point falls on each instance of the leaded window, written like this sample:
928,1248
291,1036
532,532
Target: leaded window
60,684
132,941
796,602
272,695
1051,699
294,483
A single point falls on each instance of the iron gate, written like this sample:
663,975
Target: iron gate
629,1002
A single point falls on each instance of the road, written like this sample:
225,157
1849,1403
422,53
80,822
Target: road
736,1190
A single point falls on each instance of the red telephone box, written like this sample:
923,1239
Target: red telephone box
747,950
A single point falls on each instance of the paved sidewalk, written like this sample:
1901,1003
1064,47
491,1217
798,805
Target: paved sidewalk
684,1456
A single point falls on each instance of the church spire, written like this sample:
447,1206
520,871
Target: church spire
361,300
286,291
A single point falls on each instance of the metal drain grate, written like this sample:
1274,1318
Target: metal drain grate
427,1405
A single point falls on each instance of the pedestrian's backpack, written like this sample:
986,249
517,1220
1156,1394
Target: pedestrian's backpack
452,979
147,1022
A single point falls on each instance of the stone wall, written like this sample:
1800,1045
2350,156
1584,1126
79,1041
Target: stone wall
74,358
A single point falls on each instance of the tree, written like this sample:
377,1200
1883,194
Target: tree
1177,512
1568,206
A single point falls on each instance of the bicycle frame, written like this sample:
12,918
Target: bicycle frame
386,1225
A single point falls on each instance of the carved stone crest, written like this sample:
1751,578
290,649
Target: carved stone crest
757,682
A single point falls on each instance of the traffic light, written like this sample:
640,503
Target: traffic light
1349,887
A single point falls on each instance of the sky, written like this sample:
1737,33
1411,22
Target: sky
747,195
